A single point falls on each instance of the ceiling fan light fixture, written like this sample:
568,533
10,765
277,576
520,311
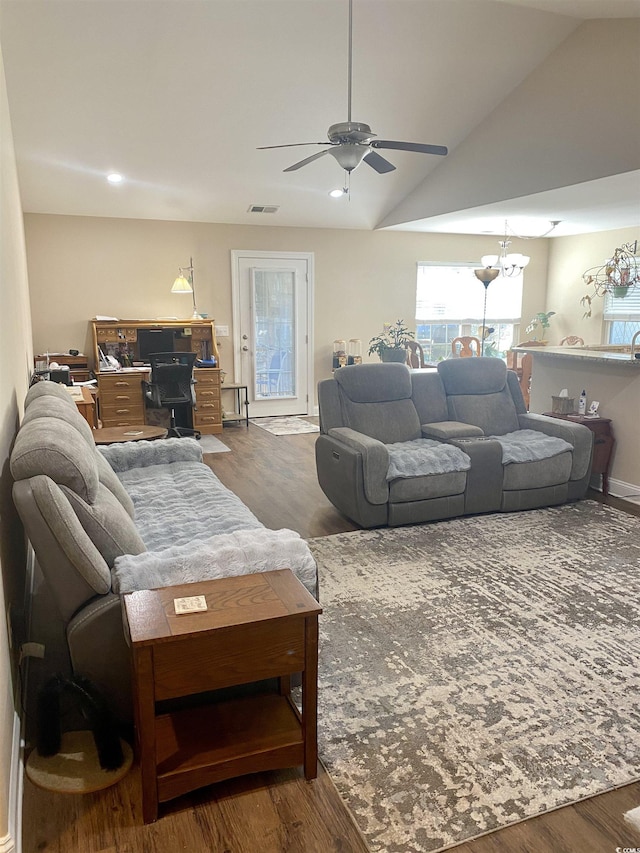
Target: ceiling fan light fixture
349,155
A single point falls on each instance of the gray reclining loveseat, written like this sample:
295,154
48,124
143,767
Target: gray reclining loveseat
399,446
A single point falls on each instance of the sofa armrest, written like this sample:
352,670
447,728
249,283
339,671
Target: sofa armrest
576,434
449,430
142,454
375,461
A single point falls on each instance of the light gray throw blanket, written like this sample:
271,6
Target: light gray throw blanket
529,445
424,456
243,552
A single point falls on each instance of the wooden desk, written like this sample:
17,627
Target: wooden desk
121,398
255,627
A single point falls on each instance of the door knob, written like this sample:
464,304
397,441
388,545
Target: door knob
245,349
245,337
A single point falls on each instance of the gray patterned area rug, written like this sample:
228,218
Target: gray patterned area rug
288,425
479,671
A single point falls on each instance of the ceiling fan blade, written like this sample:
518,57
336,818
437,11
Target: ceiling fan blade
378,163
305,161
409,146
291,145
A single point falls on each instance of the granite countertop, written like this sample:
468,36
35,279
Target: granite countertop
584,354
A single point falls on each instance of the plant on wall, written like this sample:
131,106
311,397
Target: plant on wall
617,275
390,345
541,320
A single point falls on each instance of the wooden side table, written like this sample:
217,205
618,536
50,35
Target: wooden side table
603,442
242,399
255,627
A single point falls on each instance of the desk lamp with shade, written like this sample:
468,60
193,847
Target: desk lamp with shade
184,284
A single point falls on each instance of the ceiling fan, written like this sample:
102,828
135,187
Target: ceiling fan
351,142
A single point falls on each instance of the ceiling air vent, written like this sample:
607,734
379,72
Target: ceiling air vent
264,208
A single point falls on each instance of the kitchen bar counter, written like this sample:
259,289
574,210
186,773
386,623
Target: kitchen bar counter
590,354
613,379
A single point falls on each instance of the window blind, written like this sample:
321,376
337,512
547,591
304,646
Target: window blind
625,308
452,294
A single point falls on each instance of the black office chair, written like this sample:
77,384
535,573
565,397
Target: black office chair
172,385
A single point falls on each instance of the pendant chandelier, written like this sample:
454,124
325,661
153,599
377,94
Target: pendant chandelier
511,263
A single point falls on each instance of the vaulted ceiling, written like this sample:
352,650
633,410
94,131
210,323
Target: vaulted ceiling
177,95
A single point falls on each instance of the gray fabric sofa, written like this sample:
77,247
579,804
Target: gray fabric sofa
384,454
130,516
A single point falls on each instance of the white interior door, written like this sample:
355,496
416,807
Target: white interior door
272,296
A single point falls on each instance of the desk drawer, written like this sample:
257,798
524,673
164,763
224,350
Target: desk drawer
121,417
209,419
207,378
207,407
120,383
207,397
209,661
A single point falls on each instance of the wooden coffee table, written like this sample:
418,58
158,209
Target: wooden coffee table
115,435
256,627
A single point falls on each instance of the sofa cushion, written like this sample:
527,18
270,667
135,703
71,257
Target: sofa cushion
107,524
52,447
388,422
428,396
524,476
374,383
47,406
183,501
427,487
225,555
473,375
109,478
528,445
47,388
424,456
65,527
477,393
142,454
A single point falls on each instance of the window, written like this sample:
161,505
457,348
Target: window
450,303
622,316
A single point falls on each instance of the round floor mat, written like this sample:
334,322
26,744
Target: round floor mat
75,769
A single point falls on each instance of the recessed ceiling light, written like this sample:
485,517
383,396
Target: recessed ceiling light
115,178
336,193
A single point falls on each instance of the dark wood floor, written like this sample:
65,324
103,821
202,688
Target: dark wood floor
277,812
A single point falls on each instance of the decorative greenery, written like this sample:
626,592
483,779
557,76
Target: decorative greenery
542,320
617,275
393,336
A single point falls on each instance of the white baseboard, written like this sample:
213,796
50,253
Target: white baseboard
12,841
619,489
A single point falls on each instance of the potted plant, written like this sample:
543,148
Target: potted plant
391,344
540,320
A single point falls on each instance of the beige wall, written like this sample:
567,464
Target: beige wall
79,267
569,257
15,360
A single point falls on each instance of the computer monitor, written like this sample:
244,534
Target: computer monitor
154,340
